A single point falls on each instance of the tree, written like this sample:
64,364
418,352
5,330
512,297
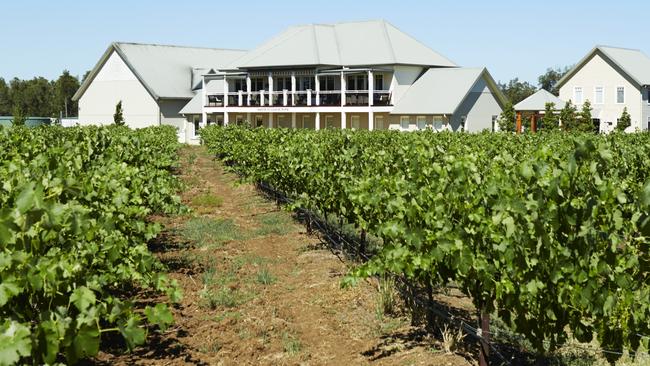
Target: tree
118,117
5,98
568,117
624,122
549,79
64,88
507,118
516,90
585,122
549,121
18,118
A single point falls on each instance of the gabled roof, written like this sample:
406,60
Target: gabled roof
194,106
537,101
633,63
374,42
165,71
442,90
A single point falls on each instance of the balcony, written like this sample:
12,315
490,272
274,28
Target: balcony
303,98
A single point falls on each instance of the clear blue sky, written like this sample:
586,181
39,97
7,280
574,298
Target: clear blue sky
511,38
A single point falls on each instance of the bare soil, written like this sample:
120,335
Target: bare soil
259,291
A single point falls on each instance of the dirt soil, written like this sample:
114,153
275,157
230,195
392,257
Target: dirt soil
259,291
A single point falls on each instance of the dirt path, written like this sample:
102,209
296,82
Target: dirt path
259,291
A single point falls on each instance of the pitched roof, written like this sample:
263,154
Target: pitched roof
634,63
165,71
442,90
537,101
194,106
374,42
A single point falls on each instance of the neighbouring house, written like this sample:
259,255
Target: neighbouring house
153,82
362,75
611,79
533,108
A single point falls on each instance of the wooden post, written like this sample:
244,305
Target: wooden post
484,355
533,123
518,128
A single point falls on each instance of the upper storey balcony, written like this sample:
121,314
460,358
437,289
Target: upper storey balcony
306,88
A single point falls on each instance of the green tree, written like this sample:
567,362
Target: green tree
507,118
118,117
624,121
549,121
568,117
64,88
585,121
549,79
5,98
516,90
19,118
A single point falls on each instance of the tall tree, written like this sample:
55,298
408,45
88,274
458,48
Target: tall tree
64,88
506,120
568,117
549,121
5,98
118,117
19,118
585,122
516,90
549,79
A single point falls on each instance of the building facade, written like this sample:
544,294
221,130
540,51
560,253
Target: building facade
611,79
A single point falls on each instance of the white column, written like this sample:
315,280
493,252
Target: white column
371,88
204,93
248,90
285,97
225,92
293,88
371,120
261,97
293,121
204,119
240,97
270,120
309,97
225,119
317,121
344,121
248,119
270,89
317,90
343,86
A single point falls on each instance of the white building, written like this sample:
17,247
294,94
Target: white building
153,82
611,79
364,75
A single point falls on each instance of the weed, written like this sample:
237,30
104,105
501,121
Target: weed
265,277
291,344
224,297
207,200
386,297
278,223
191,159
213,347
203,231
451,340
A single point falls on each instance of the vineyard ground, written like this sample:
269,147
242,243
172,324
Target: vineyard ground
259,291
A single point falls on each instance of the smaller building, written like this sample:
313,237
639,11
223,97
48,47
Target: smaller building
533,107
612,79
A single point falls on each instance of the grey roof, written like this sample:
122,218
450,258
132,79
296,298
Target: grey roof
194,106
634,63
537,101
374,42
165,71
442,90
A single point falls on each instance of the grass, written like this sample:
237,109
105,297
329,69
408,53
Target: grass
386,297
264,277
291,344
207,200
207,232
224,297
278,223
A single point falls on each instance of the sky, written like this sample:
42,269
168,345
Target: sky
513,39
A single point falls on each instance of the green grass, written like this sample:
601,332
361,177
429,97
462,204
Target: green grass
291,344
207,200
264,277
203,231
224,298
278,223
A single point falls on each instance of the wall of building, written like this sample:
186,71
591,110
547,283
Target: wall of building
598,72
645,109
403,78
480,108
434,122
115,82
169,112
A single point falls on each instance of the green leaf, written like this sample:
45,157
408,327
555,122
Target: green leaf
25,199
8,289
82,297
86,342
15,342
133,334
159,315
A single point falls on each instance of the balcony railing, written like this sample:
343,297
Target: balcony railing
300,98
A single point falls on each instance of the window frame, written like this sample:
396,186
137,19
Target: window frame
329,122
305,117
408,122
602,95
617,90
422,119
379,120
438,119
575,95
380,78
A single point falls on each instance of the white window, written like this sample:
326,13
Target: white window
379,123
306,122
354,122
577,95
437,123
329,121
494,122
282,121
404,122
620,95
422,122
599,95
